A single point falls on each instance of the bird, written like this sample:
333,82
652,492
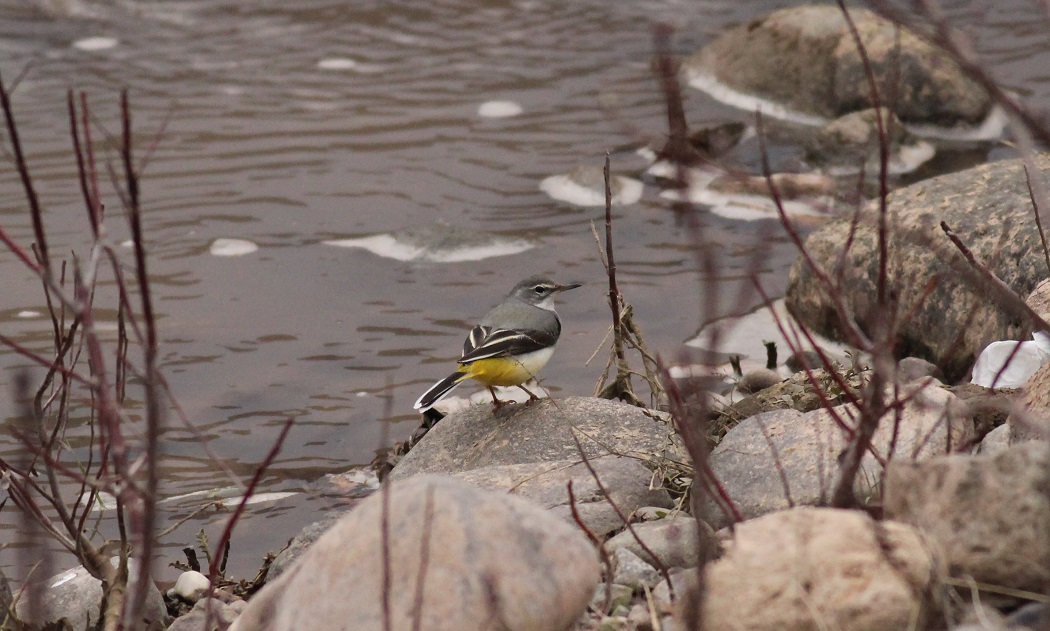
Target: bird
510,344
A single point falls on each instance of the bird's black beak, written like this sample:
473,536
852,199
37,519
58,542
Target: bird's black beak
561,288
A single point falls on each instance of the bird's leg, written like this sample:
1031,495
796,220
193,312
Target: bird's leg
532,397
496,403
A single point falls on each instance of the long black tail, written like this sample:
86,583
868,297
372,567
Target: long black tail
439,390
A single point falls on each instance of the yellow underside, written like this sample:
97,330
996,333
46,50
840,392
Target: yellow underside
506,371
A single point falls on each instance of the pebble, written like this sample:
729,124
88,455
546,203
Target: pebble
191,586
632,571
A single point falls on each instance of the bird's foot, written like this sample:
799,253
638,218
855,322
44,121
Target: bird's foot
496,403
532,397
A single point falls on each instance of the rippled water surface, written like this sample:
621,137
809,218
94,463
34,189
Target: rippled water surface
292,124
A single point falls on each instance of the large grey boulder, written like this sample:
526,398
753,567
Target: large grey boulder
678,541
300,543
75,596
989,514
995,441
485,561
818,568
1030,420
805,59
5,596
851,142
988,207
541,431
631,570
762,455
627,482
221,615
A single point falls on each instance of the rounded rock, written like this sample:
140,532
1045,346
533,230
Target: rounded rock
816,568
458,557
191,585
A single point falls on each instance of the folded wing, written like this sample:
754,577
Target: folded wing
485,342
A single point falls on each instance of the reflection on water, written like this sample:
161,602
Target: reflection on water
289,125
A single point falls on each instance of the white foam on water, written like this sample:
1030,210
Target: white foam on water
479,252
697,178
646,153
232,247
499,109
565,189
29,313
628,192
106,326
384,245
391,247
337,63
92,44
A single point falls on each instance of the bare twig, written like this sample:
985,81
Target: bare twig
424,561
35,210
623,518
598,543
1035,209
987,281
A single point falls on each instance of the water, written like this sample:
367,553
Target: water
291,124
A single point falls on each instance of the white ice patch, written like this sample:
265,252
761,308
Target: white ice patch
737,206
227,496
92,44
258,498
65,578
1042,340
1028,358
232,247
354,477
752,207
706,82
991,128
697,178
499,109
905,160
745,336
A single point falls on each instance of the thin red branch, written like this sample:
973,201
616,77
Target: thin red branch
213,568
36,213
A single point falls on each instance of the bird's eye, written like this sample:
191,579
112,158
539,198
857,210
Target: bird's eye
538,289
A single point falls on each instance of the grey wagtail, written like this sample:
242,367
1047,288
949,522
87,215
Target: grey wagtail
510,345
